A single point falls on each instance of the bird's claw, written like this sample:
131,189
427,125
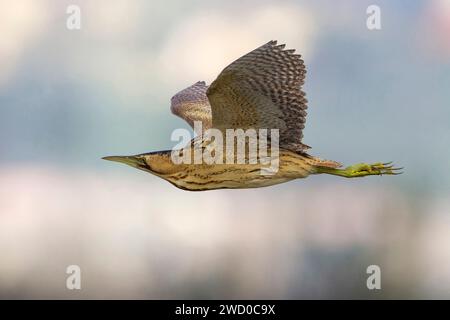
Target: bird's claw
364,169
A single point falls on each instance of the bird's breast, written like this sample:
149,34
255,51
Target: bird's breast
198,177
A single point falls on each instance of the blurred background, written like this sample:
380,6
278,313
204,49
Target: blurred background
70,97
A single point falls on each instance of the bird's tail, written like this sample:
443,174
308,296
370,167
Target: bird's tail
321,163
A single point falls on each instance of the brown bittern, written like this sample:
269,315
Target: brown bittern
260,90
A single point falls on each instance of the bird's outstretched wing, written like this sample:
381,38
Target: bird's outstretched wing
191,104
262,90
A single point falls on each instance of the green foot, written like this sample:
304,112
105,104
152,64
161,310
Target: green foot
364,169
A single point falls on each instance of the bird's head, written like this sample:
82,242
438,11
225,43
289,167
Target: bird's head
157,163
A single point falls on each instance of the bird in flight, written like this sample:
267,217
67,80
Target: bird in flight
260,90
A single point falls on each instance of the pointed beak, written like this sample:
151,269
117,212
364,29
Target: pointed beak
133,161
